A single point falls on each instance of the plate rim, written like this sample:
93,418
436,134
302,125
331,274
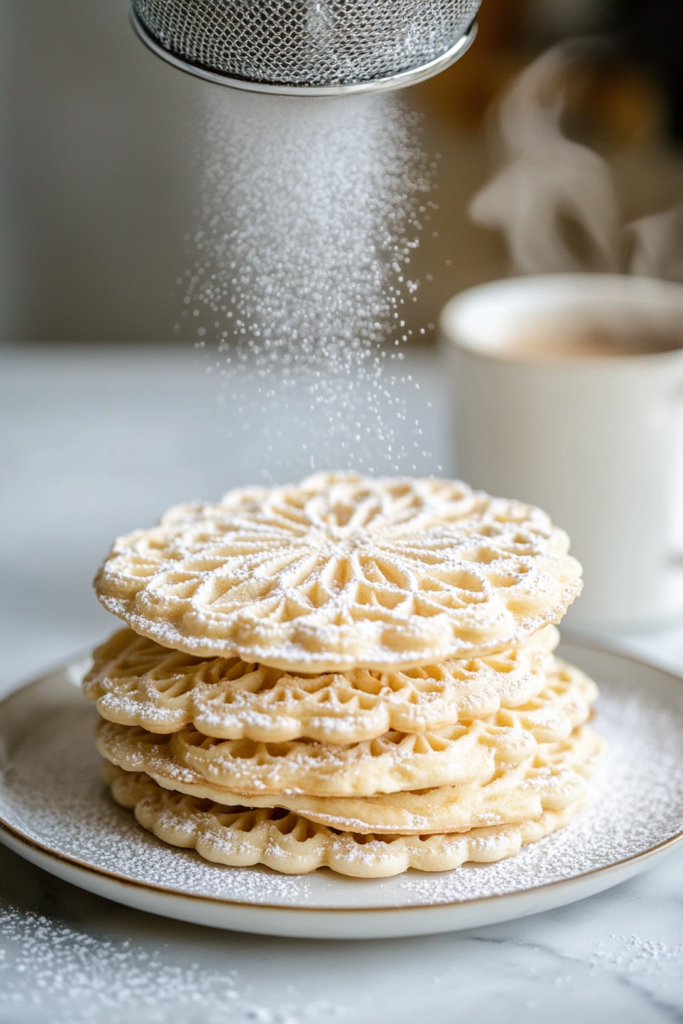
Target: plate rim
569,637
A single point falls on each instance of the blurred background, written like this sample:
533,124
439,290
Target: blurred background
101,426
98,154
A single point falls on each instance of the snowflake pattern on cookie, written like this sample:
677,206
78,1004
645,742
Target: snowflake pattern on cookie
343,571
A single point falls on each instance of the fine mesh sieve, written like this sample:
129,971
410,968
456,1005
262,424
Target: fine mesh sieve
313,47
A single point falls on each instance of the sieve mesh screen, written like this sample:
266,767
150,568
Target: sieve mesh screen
307,42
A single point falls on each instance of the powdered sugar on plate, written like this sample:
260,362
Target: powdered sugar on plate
50,792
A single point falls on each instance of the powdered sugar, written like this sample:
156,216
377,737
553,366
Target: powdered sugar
633,955
308,215
51,972
80,975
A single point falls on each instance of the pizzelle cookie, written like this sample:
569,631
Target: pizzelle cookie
564,704
343,572
393,762
553,779
464,753
136,681
283,840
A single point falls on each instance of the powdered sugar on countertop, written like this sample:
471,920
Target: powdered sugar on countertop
633,955
46,965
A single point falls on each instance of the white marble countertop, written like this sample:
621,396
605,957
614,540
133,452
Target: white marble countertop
95,441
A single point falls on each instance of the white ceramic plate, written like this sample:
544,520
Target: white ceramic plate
55,812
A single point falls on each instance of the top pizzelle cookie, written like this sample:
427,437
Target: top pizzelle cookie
343,571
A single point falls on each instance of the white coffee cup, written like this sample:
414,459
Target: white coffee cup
592,434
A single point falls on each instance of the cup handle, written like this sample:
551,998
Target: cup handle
676,557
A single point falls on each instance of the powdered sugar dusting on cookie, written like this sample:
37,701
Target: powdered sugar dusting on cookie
344,571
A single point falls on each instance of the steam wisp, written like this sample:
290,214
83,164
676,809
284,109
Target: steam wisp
555,199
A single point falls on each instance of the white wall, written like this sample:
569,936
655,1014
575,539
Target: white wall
96,174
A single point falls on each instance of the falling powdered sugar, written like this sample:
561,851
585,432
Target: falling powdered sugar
309,212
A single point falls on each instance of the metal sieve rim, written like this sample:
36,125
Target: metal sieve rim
390,82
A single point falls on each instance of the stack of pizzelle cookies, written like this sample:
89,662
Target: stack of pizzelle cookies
354,673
